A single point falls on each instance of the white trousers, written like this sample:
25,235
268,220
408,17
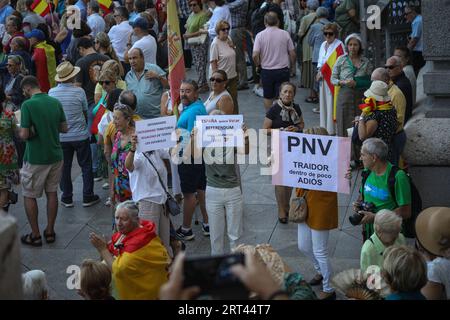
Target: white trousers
176,186
326,108
314,244
225,209
152,211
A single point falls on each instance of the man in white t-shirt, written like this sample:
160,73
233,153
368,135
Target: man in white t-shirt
119,33
94,20
220,12
145,42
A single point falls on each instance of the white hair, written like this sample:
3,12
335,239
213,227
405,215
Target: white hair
388,221
34,285
131,209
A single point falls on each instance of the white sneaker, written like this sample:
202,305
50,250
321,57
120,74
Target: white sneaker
258,90
105,186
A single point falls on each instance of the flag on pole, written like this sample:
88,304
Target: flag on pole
176,60
327,69
41,7
105,5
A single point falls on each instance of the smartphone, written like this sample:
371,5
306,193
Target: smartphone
212,274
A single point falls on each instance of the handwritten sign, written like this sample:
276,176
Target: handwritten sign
313,162
220,131
155,134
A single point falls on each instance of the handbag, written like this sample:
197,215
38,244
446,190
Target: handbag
298,210
197,40
171,204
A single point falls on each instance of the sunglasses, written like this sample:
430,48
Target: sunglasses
326,34
218,80
390,67
105,82
193,5
225,29
10,65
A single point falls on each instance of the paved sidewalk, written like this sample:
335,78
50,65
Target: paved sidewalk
260,222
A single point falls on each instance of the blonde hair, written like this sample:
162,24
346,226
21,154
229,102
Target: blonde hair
316,130
388,221
103,40
108,75
404,269
221,24
95,280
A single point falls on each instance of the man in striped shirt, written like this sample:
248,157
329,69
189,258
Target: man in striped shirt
75,106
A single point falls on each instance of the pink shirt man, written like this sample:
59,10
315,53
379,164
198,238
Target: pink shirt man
273,45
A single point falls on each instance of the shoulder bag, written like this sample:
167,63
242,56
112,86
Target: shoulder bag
171,204
298,210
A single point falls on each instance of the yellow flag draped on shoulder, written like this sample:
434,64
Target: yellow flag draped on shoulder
176,60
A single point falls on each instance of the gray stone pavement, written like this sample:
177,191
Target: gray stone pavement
260,220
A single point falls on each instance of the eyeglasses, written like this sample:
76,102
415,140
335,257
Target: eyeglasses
193,5
225,29
218,80
105,82
326,34
407,13
10,65
390,67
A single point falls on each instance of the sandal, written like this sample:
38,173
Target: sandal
31,241
50,237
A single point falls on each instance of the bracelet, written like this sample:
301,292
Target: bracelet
276,294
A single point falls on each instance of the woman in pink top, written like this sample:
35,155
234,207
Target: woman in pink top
223,57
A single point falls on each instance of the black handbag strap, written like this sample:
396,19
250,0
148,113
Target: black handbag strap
157,173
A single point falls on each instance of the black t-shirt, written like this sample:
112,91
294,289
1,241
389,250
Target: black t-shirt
274,115
90,66
403,83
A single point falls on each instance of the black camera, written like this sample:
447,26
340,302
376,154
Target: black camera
12,197
356,218
213,276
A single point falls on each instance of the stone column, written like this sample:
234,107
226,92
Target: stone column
428,147
10,268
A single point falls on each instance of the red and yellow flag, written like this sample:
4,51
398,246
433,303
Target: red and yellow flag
327,69
105,5
176,59
41,7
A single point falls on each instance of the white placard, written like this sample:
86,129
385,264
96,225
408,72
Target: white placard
155,134
220,131
313,162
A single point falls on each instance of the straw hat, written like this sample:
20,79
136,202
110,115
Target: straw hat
378,90
433,229
66,71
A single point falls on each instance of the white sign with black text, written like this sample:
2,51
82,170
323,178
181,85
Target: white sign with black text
220,131
155,134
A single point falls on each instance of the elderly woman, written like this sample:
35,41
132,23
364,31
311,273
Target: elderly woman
14,94
405,272
148,181
124,123
284,115
330,45
219,98
315,40
135,255
352,73
307,21
387,225
378,118
223,57
375,188
194,28
314,233
433,241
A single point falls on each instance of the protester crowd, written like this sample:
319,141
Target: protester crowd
81,90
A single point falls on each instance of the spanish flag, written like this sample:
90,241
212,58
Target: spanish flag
176,59
44,63
140,267
41,7
327,69
105,5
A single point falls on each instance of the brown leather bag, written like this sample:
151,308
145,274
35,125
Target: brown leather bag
298,209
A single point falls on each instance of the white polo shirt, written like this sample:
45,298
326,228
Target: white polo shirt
118,35
148,46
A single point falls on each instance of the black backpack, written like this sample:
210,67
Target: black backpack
408,225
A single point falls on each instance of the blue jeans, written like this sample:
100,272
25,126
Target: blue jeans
84,161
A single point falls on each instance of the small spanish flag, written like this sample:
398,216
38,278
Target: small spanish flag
41,7
105,5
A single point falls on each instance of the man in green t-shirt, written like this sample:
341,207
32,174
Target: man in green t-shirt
42,119
376,189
